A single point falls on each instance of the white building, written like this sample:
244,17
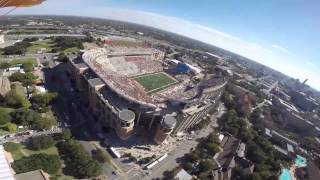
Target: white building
1,38
5,171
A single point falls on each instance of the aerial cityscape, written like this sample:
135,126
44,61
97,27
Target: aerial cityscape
101,99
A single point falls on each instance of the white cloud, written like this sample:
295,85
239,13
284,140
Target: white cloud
276,57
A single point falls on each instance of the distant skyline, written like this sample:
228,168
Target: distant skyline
281,34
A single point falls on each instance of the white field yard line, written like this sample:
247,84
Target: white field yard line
167,85
148,74
172,78
163,87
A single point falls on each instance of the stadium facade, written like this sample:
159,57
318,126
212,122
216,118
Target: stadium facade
132,88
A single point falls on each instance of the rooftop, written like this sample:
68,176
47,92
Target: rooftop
5,171
34,175
4,86
169,122
126,115
96,82
81,65
183,175
230,146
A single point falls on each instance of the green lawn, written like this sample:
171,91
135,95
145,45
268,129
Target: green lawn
2,131
19,88
37,45
7,109
22,61
152,82
72,50
52,151
24,151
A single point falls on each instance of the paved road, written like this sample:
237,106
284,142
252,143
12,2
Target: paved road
23,136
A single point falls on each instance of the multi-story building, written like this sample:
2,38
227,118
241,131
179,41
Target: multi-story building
303,101
292,118
129,88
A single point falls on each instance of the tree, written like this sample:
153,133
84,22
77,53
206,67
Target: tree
4,117
193,157
228,100
26,79
16,100
18,48
4,65
62,57
78,160
27,117
214,138
255,154
255,115
64,43
101,156
12,128
245,135
40,102
49,163
28,67
44,123
24,116
66,134
212,148
30,39
11,146
41,142
253,176
239,174
206,165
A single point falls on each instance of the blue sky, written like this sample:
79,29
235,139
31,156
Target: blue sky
282,34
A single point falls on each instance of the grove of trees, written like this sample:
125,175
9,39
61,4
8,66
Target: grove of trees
15,99
26,79
41,142
11,146
40,102
49,163
259,149
78,160
33,119
19,48
4,117
63,43
199,161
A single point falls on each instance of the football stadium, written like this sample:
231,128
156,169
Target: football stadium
131,87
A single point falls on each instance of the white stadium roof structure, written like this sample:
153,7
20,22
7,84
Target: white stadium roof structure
5,170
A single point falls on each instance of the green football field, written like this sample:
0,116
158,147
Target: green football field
152,82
